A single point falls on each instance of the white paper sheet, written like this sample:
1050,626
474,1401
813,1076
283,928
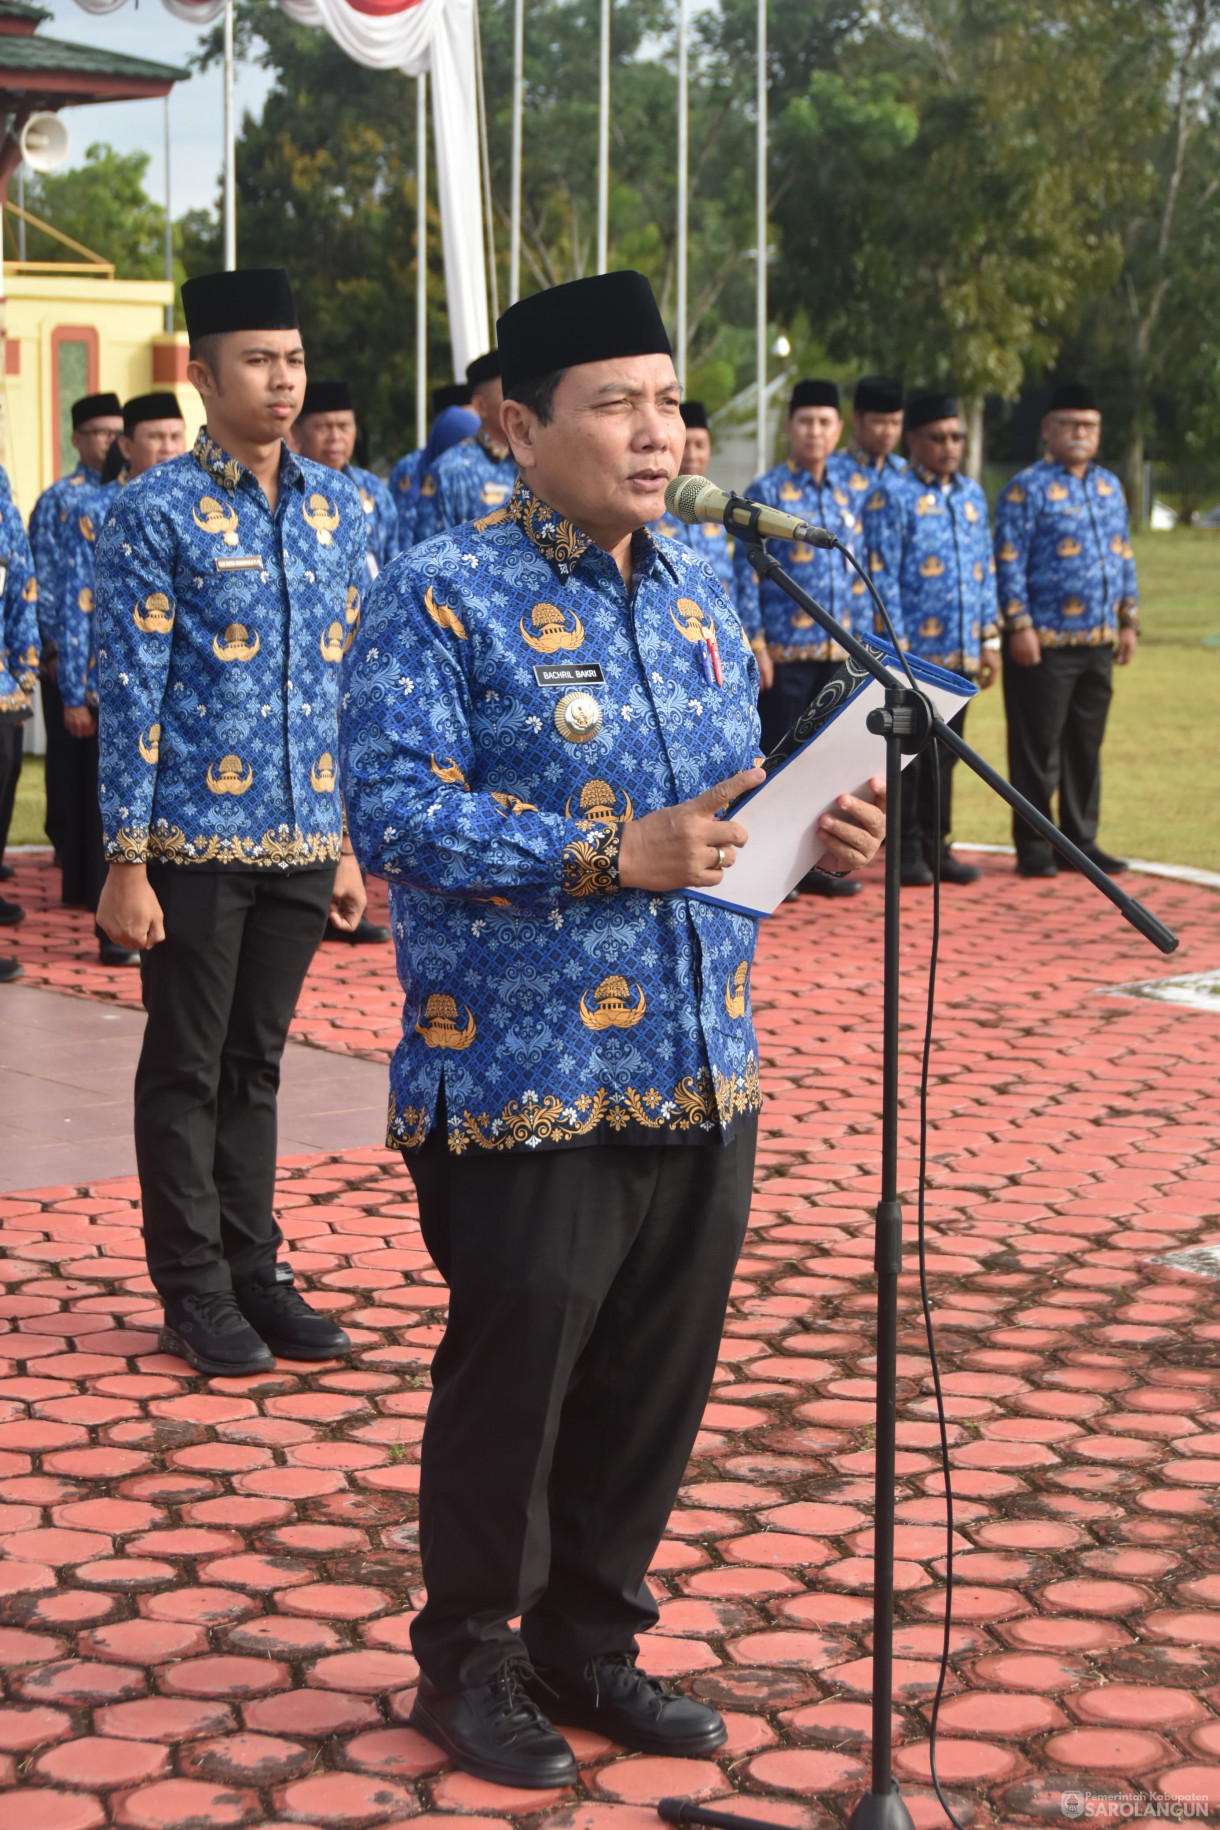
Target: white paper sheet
781,816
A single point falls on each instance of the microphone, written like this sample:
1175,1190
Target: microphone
698,499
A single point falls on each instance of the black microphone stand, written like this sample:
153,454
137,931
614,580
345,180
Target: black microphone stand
908,722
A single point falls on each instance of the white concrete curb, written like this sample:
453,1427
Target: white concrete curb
1181,873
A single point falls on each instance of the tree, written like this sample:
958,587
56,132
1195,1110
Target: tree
102,204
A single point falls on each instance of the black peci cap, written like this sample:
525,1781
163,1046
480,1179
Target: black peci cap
877,394
163,405
589,320
1073,397
483,368
694,415
814,394
253,298
95,406
327,397
455,394
923,409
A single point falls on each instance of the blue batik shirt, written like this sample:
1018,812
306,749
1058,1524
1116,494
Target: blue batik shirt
1064,561
54,513
929,553
220,630
471,478
19,635
508,703
855,471
380,517
403,478
710,539
790,633
72,624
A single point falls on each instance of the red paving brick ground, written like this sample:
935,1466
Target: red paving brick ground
205,1583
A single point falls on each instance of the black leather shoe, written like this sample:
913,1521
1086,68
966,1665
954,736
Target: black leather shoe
11,969
7,873
10,913
817,883
1113,867
952,870
362,934
111,955
212,1334
916,874
613,1697
286,1322
495,1731
1048,868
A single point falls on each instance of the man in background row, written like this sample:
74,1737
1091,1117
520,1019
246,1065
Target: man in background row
408,472
795,657
153,430
710,539
477,475
326,432
1069,607
928,539
870,455
19,644
97,420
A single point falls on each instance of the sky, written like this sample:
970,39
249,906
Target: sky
143,28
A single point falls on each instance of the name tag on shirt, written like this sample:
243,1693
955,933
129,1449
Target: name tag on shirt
569,673
240,562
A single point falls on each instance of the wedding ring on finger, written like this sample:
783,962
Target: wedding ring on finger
720,856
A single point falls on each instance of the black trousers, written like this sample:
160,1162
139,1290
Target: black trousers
927,818
587,1299
58,766
797,685
1056,721
12,739
220,991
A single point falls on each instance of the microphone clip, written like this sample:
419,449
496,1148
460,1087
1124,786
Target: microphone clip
741,516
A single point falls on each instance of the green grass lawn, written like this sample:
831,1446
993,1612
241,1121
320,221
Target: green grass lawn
1161,787
1160,794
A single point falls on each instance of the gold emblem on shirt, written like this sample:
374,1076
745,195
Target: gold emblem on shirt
352,613
330,642
321,517
443,616
29,590
236,644
510,803
931,567
150,743
448,771
691,622
735,990
214,518
367,502
157,616
1057,493
553,633
972,513
789,492
1068,549
931,627
1104,489
578,717
85,524
1015,494
927,505
1008,551
226,776
612,1006
599,804
84,601
1073,607
438,1024
323,775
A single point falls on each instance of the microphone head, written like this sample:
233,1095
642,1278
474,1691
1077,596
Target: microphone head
694,499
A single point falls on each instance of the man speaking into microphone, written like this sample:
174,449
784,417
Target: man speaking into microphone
546,711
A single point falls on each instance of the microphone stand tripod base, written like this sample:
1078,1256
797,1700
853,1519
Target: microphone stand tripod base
881,1811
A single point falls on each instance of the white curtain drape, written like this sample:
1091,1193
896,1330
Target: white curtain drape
436,36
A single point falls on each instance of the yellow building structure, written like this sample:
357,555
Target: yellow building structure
72,332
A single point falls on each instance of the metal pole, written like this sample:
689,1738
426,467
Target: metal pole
485,161
762,455
230,179
421,261
683,181
169,227
518,106
603,143
21,206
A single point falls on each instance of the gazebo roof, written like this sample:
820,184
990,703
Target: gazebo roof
40,72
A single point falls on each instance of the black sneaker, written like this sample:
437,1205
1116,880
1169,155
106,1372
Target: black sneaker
1037,867
7,873
10,913
495,1731
817,883
916,873
11,969
212,1334
613,1697
362,935
286,1322
1113,867
952,870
